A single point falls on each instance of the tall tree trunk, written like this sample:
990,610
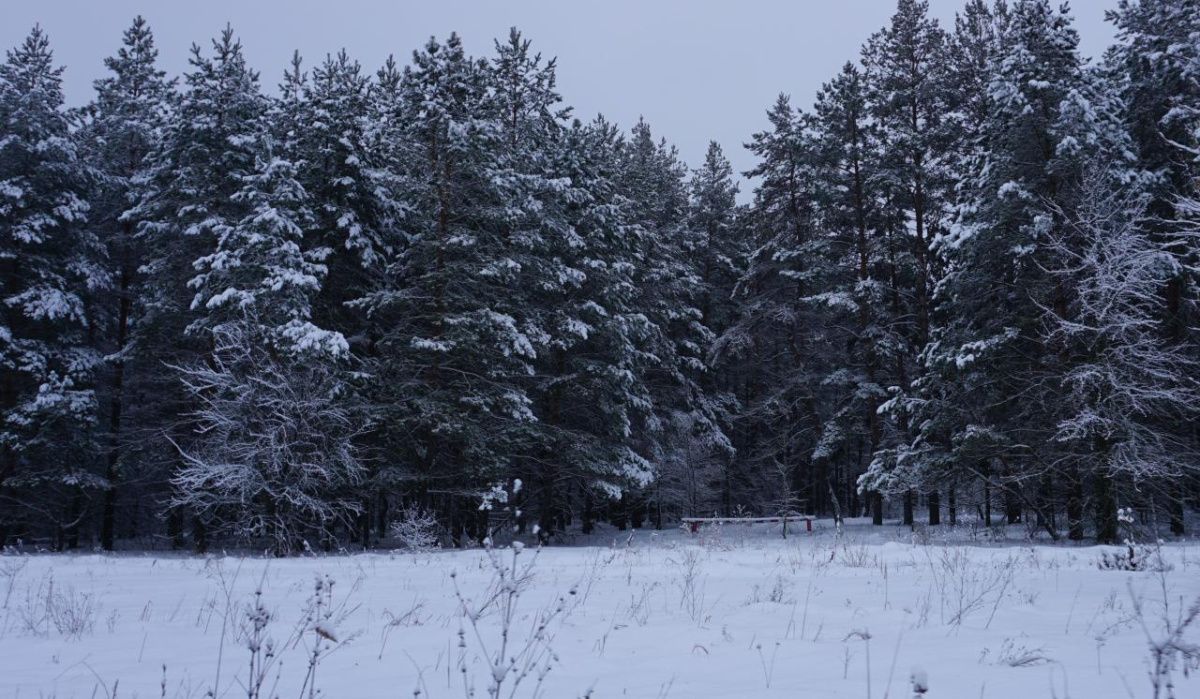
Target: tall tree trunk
1074,506
112,473
199,535
1106,509
1012,504
175,527
908,508
1045,506
1176,507
75,514
589,512
381,514
987,502
833,500
935,508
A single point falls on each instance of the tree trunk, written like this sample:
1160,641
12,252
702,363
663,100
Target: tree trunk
75,514
619,512
952,505
987,502
112,473
1106,509
1012,505
199,535
589,512
837,507
908,508
364,524
1176,508
1074,506
382,514
1045,506
546,507
175,528
935,509
876,508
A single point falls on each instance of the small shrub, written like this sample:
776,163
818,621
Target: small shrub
1014,654
417,529
72,614
856,557
1135,556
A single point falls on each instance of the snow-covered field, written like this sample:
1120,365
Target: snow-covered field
739,613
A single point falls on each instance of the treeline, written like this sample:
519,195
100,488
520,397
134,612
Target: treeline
967,281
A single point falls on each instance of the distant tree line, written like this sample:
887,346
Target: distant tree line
967,284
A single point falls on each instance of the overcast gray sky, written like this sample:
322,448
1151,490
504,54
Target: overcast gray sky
696,69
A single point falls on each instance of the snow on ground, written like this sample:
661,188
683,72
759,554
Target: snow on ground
735,613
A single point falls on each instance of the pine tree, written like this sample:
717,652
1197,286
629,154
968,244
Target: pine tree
563,226
720,253
776,329
992,394
188,200
51,270
260,269
861,304
906,72
453,361
126,125
323,126
593,393
676,343
972,54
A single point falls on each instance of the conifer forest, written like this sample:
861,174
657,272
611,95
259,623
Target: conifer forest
289,308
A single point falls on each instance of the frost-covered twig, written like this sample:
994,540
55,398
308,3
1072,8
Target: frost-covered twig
1170,648
510,661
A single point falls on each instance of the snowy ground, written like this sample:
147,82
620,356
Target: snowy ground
739,613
